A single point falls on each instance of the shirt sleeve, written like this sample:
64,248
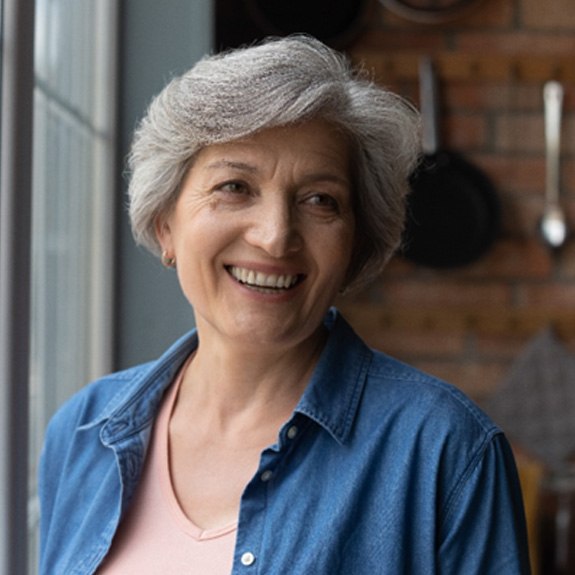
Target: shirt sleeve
483,529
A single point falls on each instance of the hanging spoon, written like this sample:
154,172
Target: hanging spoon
553,226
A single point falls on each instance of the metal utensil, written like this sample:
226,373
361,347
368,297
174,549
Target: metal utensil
553,226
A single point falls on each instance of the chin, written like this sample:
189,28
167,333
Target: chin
274,330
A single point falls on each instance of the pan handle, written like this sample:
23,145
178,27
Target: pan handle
429,105
553,98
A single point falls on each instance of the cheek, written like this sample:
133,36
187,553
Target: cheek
195,283
201,243
337,250
346,240
193,232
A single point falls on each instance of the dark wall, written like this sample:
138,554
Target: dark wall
158,41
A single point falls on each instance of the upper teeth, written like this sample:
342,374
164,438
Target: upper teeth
261,279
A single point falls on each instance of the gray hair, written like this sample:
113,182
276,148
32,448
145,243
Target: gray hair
279,82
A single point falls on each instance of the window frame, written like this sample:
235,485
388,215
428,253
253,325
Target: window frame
15,222
21,429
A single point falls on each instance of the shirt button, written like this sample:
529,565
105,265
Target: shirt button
248,559
292,432
266,475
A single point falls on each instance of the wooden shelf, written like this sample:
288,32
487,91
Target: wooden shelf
518,323
470,67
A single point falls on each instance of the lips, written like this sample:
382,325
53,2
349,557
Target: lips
261,280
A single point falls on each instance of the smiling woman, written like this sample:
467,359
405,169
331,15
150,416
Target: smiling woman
272,178
275,206
227,97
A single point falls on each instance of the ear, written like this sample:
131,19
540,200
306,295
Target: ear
164,234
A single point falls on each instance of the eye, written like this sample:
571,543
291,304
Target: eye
233,187
323,201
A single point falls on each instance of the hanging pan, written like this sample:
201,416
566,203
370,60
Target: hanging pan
429,11
453,210
335,22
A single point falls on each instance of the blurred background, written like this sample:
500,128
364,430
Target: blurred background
498,322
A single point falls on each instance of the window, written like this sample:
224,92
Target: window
72,210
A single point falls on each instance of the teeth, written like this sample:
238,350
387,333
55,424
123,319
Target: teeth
259,279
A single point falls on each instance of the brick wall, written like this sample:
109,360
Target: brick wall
468,325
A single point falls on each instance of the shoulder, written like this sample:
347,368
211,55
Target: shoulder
393,380
97,399
386,395
432,424
420,413
104,397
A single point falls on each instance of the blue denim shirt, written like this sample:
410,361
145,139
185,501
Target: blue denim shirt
380,470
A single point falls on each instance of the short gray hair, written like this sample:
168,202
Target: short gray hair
279,82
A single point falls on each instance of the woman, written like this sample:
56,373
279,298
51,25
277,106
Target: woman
271,439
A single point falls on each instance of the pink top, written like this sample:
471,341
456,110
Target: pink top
156,536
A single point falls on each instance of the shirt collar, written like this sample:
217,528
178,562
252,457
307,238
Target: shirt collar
332,397
136,407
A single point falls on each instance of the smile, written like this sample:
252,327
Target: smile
263,281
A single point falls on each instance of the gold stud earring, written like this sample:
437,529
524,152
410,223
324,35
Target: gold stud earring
168,261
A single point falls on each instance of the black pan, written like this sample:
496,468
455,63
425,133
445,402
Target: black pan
335,22
453,210
429,11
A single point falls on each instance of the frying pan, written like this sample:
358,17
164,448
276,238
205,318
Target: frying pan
429,11
335,22
453,210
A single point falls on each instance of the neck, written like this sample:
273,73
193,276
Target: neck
228,382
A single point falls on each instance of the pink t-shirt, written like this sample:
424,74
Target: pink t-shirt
156,536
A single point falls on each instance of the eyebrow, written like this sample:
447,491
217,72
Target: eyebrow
232,164
242,166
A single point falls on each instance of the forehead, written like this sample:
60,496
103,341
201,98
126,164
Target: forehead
311,143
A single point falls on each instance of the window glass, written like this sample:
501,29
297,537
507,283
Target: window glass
72,220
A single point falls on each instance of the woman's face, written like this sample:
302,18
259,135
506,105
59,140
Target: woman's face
263,232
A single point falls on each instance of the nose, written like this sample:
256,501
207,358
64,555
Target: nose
274,228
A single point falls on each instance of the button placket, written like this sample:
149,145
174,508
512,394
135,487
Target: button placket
269,462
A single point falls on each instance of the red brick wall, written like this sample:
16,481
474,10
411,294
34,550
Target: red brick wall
468,325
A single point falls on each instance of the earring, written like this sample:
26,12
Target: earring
167,261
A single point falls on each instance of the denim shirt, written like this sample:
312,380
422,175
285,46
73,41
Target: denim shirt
380,470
